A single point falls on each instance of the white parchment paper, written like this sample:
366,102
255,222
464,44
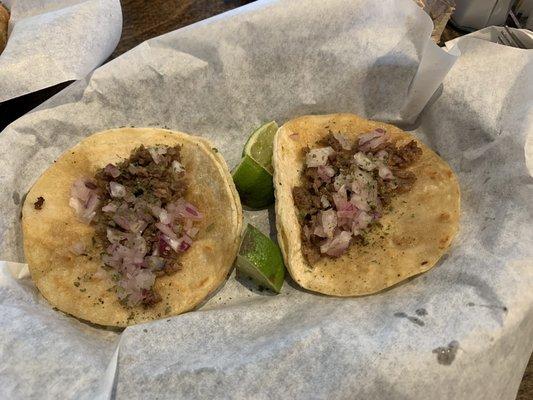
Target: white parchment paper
462,331
54,41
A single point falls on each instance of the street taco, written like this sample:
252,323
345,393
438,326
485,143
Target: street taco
360,205
132,225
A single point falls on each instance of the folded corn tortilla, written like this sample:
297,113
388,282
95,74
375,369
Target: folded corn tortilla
413,237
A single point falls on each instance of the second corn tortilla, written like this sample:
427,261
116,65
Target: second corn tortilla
415,234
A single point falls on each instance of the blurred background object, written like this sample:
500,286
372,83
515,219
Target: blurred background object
476,14
440,12
471,15
512,37
523,10
455,18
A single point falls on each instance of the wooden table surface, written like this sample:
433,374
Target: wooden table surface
146,19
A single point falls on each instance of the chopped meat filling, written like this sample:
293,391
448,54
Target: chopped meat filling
142,221
346,187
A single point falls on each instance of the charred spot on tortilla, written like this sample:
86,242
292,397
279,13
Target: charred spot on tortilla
123,236
38,205
356,206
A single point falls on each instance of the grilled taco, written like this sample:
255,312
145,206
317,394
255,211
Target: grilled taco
360,205
132,225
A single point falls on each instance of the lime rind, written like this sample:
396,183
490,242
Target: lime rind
253,175
254,134
246,268
249,140
259,145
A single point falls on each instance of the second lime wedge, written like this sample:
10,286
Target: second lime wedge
260,259
260,143
253,175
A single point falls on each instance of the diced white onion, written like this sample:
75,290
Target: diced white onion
364,162
325,172
372,140
385,173
116,189
317,157
177,167
156,153
337,245
329,221
84,199
167,230
165,217
343,140
112,170
362,221
78,248
109,207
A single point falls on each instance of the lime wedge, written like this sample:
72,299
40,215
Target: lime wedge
260,259
253,175
259,145
254,184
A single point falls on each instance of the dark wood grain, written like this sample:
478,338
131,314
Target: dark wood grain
144,19
526,386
